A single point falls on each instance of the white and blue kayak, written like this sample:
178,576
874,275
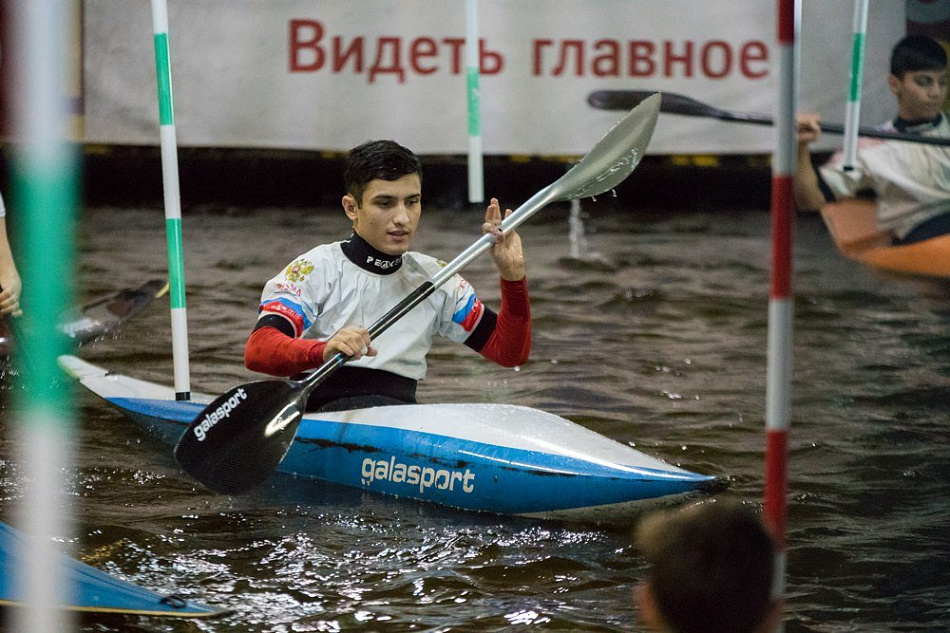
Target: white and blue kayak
92,590
502,459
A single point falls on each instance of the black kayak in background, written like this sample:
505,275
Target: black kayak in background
97,318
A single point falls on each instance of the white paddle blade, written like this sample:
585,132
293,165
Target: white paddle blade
615,156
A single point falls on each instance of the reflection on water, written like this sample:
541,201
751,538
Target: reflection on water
650,328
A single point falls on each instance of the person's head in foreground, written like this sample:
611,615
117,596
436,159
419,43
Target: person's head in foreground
918,78
711,568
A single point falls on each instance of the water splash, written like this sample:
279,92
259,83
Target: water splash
576,230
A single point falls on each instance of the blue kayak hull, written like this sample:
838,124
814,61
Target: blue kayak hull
493,458
93,590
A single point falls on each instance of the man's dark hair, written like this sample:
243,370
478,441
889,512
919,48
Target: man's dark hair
711,567
917,52
378,160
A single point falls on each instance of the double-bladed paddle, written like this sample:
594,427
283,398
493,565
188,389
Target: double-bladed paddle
239,439
673,103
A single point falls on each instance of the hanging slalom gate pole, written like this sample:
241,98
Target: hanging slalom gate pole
176,264
853,114
781,304
44,187
476,186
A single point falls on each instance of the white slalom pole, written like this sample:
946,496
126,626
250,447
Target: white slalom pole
476,185
45,185
853,114
781,299
176,264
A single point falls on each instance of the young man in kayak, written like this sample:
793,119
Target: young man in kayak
711,568
10,283
911,181
323,301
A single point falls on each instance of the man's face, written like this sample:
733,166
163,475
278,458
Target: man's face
920,93
389,213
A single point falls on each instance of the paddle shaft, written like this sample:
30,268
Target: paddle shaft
833,128
673,103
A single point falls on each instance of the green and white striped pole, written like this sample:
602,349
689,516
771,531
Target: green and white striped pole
853,113
476,185
44,198
176,263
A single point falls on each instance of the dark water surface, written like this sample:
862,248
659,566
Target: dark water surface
653,333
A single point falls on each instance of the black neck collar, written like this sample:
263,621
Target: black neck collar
358,251
917,127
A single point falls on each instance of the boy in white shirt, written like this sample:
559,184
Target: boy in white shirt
911,181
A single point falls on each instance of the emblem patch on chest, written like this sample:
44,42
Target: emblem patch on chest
298,270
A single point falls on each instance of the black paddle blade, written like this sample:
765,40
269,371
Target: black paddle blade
619,99
238,440
670,102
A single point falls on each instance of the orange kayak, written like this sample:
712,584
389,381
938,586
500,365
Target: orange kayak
853,226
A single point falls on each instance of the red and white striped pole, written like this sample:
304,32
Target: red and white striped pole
781,300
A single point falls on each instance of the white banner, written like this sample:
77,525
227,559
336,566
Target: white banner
329,74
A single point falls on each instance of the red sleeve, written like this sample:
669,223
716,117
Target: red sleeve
270,351
510,344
